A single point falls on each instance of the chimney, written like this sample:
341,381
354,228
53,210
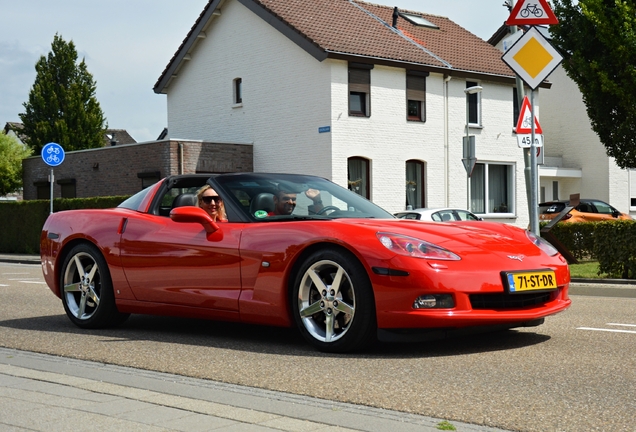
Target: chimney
396,14
113,140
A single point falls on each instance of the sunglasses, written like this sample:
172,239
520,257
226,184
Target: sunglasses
209,199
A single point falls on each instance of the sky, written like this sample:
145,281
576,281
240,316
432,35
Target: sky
127,44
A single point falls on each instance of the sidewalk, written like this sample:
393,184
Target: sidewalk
41,392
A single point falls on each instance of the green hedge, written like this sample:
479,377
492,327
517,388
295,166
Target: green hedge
611,243
22,221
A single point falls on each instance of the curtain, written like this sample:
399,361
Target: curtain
478,189
498,189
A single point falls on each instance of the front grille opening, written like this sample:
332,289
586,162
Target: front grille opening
509,301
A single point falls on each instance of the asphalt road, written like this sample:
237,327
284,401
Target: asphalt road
577,372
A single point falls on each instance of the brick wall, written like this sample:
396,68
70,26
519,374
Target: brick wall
116,170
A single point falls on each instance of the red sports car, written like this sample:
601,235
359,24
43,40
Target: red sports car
297,250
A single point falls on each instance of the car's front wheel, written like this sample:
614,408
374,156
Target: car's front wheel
333,302
87,291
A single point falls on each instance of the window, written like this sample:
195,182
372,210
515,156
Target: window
474,105
555,190
418,20
68,188
149,178
358,176
492,188
416,96
359,89
238,91
415,184
43,189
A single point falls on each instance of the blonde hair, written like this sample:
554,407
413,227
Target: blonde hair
221,216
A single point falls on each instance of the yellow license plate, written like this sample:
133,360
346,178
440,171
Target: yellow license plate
535,280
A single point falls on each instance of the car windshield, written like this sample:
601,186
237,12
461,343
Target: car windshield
259,196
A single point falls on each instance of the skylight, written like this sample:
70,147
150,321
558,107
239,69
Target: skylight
418,20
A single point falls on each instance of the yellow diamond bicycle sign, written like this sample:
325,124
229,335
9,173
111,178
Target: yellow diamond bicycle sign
532,58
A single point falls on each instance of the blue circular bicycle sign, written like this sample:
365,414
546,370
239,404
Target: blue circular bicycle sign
53,154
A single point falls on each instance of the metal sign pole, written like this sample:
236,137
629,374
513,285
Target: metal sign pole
534,203
51,180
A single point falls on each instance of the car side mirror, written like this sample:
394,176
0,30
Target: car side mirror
616,213
191,214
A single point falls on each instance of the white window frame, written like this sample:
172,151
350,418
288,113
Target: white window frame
492,210
478,106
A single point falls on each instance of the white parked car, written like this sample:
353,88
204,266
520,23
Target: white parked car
438,215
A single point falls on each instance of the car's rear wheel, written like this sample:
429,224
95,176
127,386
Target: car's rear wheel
87,291
333,302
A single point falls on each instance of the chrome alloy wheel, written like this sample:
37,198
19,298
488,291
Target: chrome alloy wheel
326,301
82,286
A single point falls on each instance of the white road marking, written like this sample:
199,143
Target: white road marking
606,330
33,282
3,285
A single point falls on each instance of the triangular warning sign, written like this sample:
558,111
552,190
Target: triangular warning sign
524,124
531,12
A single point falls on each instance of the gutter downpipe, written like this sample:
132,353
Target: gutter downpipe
447,78
180,158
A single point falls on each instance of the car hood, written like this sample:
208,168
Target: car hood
463,238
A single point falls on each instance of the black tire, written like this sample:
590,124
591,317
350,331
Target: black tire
87,289
334,318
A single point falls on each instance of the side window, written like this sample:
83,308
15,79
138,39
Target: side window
437,217
474,105
237,89
358,176
602,207
416,96
492,188
360,89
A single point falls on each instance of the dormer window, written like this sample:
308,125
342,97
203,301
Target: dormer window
418,20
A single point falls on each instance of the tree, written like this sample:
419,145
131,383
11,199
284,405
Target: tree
62,107
597,39
11,154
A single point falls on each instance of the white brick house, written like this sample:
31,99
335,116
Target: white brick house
289,77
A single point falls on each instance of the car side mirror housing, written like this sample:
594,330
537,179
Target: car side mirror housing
191,214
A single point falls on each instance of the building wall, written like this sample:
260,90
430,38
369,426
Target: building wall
286,95
115,170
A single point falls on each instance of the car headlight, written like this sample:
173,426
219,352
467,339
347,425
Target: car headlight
542,243
416,248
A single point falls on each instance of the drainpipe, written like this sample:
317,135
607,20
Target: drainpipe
446,146
180,158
